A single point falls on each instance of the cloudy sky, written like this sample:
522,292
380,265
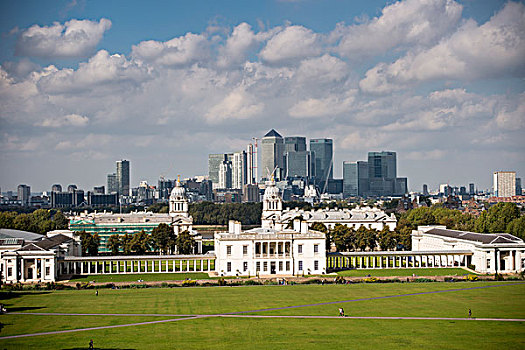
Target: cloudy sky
163,84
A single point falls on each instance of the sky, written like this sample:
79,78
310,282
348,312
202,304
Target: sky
165,83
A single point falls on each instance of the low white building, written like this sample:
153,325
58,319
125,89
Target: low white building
34,258
273,249
500,252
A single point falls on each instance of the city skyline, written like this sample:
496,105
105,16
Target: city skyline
85,84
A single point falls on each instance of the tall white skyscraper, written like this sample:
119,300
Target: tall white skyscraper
239,169
504,183
225,175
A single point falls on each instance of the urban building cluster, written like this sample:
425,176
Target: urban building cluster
302,169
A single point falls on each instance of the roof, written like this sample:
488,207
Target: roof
29,247
25,235
485,238
273,133
53,241
11,241
342,215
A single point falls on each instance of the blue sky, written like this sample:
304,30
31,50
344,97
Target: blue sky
164,83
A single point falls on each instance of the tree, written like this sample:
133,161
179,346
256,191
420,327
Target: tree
386,239
517,227
7,219
162,237
365,238
497,218
185,243
93,245
126,243
114,243
141,242
89,243
60,220
343,237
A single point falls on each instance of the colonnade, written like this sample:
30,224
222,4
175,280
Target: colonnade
376,260
272,249
114,265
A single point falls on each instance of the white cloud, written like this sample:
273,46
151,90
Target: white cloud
494,49
67,120
180,51
322,107
512,117
403,23
101,69
238,104
238,45
290,44
322,69
75,38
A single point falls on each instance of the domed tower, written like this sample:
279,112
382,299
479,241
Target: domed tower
178,201
272,206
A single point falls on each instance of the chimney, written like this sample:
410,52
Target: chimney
297,225
237,227
304,227
231,226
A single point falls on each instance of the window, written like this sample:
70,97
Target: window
229,267
316,248
280,265
47,270
300,265
244,250
300,248
245,266
228,250
316,265
287,266
265,266
9,271
258,266
488,263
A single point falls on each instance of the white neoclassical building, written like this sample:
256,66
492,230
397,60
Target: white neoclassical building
491,253
274,248
371,218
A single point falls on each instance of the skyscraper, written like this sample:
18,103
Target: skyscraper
56,188
239,169
123,177
112,183
214,163
24,195
355,179
225,175
298,164
382,172
294,144
323,151
425,190
504,183
471,189
272,155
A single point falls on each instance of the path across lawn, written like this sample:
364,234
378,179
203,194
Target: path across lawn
245,314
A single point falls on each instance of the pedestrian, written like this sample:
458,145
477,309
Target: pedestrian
91,344
96,292
341,312
469,313
322,282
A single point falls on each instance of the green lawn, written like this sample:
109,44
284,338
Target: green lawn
503,301
147,277
404,272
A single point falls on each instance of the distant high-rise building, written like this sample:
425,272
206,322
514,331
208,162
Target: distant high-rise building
323,151
72,188
471,189
272,155
518,186
164,187
355,178
250,164
298,164
382,172
425,190
24,195
225,175
214,163
504,183
56,188
123,177
112,183
294,144
445,189
239,169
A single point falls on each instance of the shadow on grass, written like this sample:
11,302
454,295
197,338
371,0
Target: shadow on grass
24,308
95,348
17,294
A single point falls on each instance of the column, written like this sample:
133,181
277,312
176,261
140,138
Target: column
209,264
202,266
187,265
125,266
118,266
195,265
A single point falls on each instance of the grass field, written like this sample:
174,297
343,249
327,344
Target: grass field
503,300
405,272
146,277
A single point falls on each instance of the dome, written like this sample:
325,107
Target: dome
178,190
271,190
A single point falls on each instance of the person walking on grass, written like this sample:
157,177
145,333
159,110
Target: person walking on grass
341,312
91,344
469,313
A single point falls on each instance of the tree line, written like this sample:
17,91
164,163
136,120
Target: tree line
39,221
162,240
